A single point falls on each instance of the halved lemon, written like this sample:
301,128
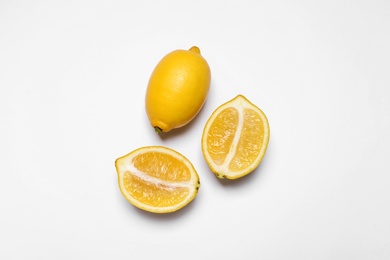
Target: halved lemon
157,179
235,138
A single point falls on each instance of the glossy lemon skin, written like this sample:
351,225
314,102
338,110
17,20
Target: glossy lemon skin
177,89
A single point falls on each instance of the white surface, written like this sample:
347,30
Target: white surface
73,76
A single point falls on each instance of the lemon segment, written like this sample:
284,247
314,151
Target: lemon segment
235,138
157,179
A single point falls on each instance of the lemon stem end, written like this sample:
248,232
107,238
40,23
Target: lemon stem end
195,49
157,129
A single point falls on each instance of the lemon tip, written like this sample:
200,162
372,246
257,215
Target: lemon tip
195,49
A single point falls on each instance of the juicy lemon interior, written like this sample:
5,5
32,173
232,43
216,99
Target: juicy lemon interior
221,134
152,193
157,179
235,138
162,166
251,139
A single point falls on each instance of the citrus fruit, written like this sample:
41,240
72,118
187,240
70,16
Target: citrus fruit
157,179
177,89
235,138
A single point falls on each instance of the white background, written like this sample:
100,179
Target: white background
73,76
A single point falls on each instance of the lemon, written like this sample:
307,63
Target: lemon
235,138
157,179
177,89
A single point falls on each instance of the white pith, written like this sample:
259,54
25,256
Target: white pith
129,167
225,166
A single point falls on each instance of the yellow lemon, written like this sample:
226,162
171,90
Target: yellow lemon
235,138
177,89
157,179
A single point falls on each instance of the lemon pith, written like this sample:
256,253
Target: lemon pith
177,89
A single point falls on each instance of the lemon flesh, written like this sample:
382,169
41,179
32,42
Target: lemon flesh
235,138
157,179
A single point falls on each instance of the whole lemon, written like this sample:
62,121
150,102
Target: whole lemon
177,89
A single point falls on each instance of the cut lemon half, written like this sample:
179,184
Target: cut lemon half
157,179
235,138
